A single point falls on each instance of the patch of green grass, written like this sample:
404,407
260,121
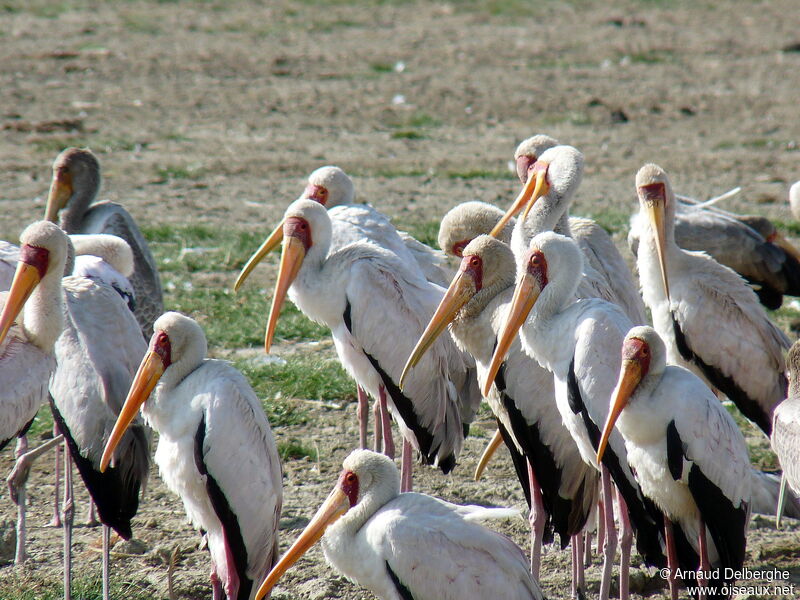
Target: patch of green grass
426,232
168,172
408,134
381,67
392,173
38,584
294,449
141,23
613,221
478,174
312,376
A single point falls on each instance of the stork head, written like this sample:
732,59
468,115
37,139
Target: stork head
364,474
487,264
465,222
75,169
643,354
177,339
552,266
529,151
556,174
330,186
305,224
657,202
42,253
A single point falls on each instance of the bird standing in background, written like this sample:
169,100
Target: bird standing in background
215,450
709,318
354,222
407,545
376,306
75,183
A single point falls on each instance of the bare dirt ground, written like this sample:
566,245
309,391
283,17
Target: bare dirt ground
213,112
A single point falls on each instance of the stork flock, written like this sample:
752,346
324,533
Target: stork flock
611,424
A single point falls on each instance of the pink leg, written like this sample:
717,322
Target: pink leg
625,543
20,555
601,525
216,587
587,555
68,510
388,442
581,583
406,467
610,546
536,519
363,416
577,563
705,564
56,522
376,413
672,558
91,517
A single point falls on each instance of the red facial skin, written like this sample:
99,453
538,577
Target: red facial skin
637,350
653,192
160,344
472,265
316,192
458,247
35,257
299,228
524,164
348,483
537,266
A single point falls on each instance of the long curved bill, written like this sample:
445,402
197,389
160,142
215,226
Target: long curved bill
461,290
629,377
58,196
26,278
334,507
525,295
654,204
268,246
291,260
534,188
150,371
494,444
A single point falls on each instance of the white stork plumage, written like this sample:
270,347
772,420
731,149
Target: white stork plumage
407,545
9,254
354,222
97,356
579,340
551,175
75,183
794,199
560,487
709,318
376,306
106,259
215,451
26,347
748,244
786,427
688,455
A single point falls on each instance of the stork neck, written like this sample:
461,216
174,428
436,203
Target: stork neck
43,314
472,328
187,361
77,205
562,226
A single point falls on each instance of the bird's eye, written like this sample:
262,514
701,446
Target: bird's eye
475,261
645,351
536,260
350,478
